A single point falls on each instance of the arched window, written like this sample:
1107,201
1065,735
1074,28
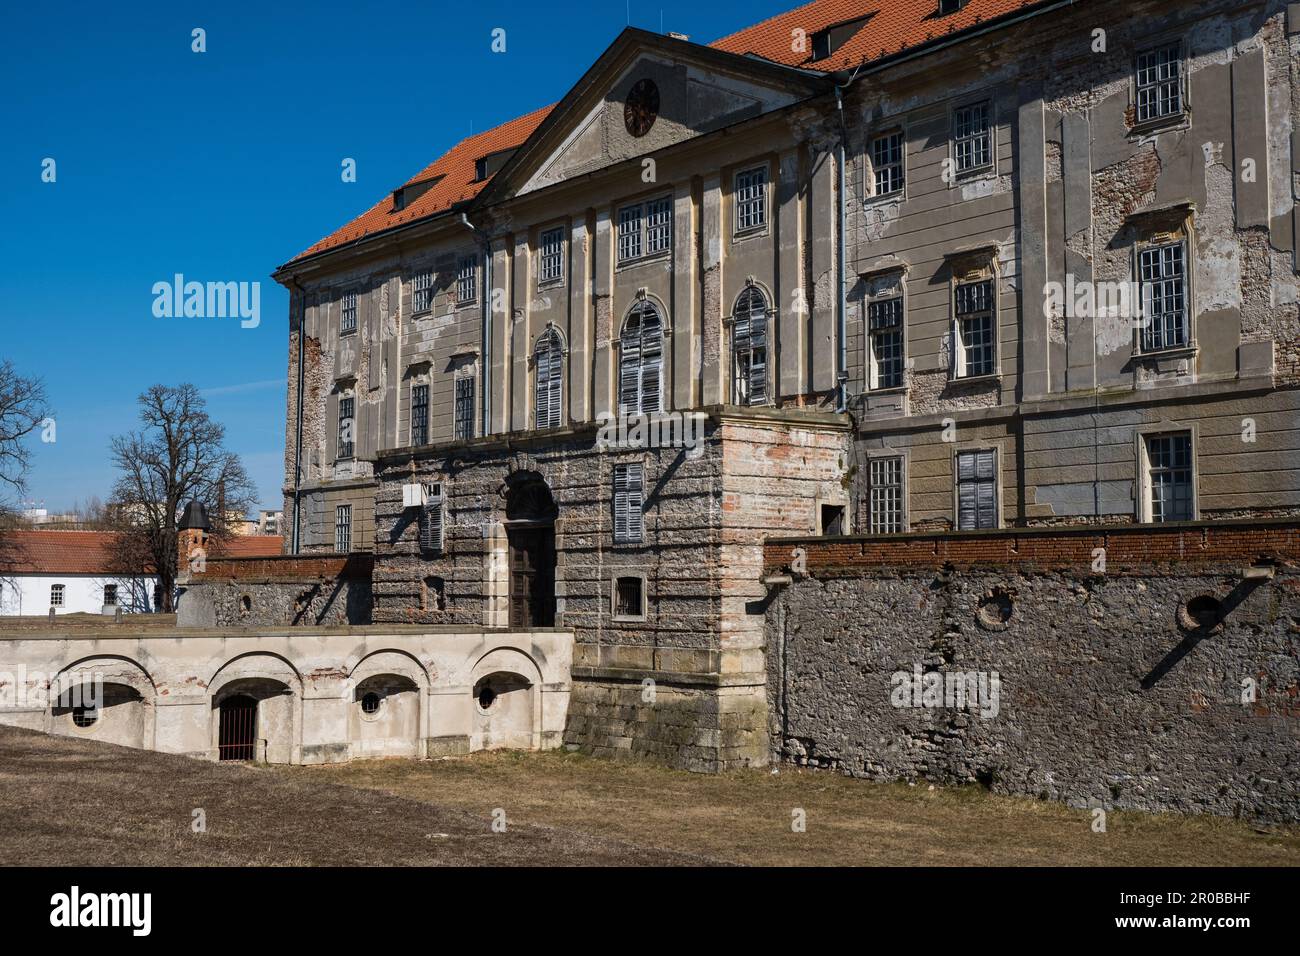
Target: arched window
749,348
641,360
549,359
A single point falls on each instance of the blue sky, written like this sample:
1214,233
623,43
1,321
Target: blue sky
224,164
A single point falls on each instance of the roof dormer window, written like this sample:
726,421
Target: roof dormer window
828,40
950,6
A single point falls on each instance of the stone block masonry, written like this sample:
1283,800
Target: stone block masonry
1168,681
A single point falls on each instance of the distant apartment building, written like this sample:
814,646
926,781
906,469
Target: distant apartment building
921,266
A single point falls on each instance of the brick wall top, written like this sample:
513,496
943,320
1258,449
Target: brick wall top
290,567
1197,543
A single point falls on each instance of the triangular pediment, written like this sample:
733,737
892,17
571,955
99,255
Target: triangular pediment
697,90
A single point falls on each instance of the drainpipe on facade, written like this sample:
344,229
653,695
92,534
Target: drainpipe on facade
487,321
841,303
296,542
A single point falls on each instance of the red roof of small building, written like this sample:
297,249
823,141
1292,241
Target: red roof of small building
93,552
891,26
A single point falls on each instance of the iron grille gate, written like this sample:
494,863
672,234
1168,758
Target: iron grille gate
237,735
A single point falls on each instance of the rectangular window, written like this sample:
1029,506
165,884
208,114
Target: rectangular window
977,484
347,429
110,595
1169,475
431,523
885,511
1164,297
56,595
550,256
887,163
419,414
628,503
466,279
629,233
1159,83
885,325
629,595
349,323
464,407
972,138
343,529
751,199
422,292
975,348
658,226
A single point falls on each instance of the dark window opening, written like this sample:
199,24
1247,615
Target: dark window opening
628,597
85,716
832,519
370,703
486,697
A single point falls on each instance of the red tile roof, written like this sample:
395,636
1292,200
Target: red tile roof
93,552
456,167
893,25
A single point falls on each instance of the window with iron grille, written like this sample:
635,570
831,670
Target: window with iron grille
347,427
885,326
887,163
972,139
550,256
1169,477
751,199
466,279
749,348
628,503
1159,83
885,495
629,233
465,407
549,360
419,414
629,597
349,322
422,292
110,594
1164,297
975,348
431,523
56,595
977,484
658,226
343,529
640,363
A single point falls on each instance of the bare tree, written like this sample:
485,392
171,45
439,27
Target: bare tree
177,456
22,412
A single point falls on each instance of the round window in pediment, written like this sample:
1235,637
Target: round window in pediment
641,108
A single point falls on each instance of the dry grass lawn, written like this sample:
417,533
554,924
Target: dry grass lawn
69,802
745,817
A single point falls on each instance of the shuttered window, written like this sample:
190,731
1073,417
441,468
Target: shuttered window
465,407
641,357
549,359
419,414
977,486
749,348
628,502
431,521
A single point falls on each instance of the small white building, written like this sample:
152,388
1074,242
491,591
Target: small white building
71,572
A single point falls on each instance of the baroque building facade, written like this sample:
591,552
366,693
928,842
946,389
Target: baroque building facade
862,268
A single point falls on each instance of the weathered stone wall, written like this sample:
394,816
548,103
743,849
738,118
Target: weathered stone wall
1112,692
297,591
